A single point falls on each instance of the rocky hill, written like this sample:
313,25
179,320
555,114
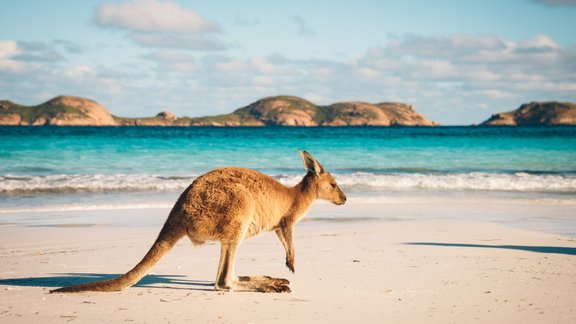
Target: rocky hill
272,111
61,111
294,111
535,114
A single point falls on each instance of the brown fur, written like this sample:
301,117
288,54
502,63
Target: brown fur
229,205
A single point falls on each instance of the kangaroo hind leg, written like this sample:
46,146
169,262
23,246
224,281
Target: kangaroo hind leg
225,278
264,284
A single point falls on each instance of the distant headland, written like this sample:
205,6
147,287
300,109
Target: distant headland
271,111
536,114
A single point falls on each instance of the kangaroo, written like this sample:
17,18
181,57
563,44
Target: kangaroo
229,205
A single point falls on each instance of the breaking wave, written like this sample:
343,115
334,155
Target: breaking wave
355,182
519,181
92,183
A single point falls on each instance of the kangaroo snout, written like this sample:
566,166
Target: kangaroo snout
342,200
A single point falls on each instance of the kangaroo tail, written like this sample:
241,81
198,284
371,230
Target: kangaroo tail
168,236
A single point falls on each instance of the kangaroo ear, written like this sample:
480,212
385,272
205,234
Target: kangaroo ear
310,163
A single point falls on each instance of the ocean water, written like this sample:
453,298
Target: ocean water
59,169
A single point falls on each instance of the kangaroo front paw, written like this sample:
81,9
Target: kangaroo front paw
290,264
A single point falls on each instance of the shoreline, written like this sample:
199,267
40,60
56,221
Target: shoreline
547,213
423,271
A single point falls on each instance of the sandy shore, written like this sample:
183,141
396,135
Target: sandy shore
435,271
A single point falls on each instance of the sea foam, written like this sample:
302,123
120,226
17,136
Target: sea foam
354,182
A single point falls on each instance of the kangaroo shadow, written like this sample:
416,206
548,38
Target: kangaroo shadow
149,281
528,248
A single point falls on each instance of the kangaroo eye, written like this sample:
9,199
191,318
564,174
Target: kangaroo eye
333,185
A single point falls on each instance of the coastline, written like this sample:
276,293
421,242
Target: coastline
279,110
360,268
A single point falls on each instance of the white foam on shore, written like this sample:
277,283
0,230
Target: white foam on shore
355,203
354,182
87,207
92,183
521,181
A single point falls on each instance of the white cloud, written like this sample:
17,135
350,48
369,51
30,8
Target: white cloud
230,66
151,16
39,52
162,24
447,74
169,56
448,47
539,41
322,72
497,94
263,80
177,41
70,47
8,51
172,61
479,74
435,69
76,71
26,56
365,72
262,65
464,56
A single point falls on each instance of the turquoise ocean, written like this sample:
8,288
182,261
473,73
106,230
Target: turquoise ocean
48,171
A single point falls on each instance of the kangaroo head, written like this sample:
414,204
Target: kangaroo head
327,188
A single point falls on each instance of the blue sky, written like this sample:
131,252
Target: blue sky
457,62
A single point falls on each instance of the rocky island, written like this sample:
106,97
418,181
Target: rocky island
294,111
271,111
61,111
536,114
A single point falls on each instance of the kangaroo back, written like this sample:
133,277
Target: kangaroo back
168,236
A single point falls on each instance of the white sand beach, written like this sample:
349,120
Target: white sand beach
366,271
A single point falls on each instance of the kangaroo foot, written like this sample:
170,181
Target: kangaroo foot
263,284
